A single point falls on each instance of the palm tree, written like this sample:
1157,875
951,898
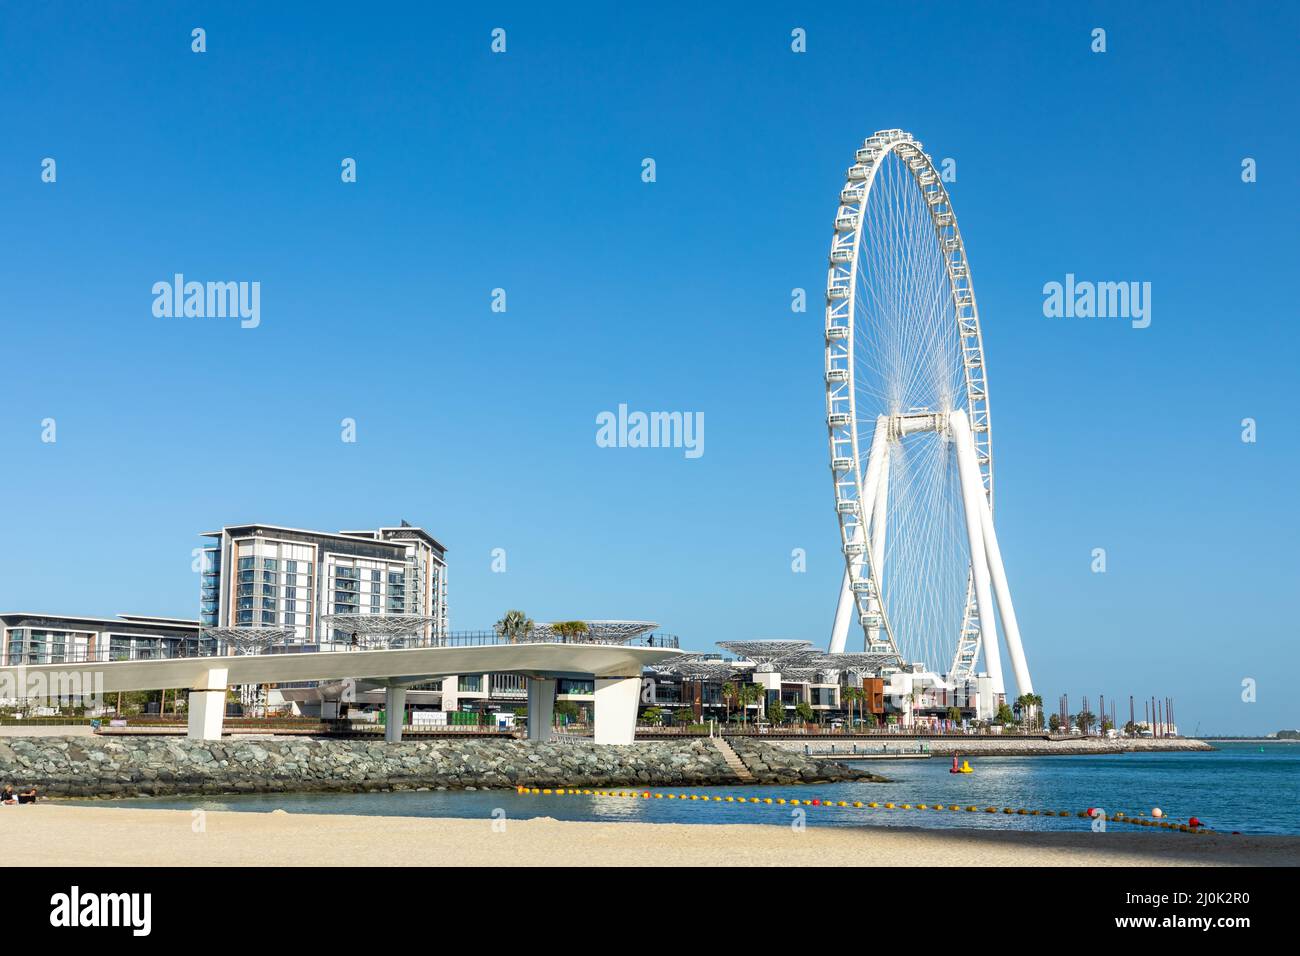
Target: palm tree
514,626
1030,707
570,630
729,693
744,697
1084,720
850,696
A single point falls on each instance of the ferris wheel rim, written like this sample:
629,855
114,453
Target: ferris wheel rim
841,371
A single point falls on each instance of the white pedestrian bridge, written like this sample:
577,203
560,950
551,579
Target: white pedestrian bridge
615,668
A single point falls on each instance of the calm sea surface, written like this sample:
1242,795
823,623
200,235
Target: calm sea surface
1250,787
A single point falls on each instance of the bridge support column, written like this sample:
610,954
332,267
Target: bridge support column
394,713
616,705
541,707
207,707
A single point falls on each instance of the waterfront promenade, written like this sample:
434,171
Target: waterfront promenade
988,746
54,835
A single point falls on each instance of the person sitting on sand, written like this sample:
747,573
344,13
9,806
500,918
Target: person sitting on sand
11,797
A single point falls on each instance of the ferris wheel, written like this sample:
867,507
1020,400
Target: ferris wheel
907,410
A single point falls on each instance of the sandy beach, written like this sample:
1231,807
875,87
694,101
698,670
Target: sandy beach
52,834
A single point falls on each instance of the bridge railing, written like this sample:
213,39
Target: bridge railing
192,649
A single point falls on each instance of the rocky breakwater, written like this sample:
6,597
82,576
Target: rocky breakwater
152,766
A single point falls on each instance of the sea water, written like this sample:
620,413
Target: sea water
1248,787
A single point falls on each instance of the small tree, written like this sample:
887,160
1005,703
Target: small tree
567,710
1084,720
1005,716
776,712
954,714
684,717
1054,723
652,716
803,710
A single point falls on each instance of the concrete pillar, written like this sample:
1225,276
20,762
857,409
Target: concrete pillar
394,713
541,708
616,706
207,707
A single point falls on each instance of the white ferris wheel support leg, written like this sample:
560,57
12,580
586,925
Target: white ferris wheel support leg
843,616
973,499
998,573
879,514
846,606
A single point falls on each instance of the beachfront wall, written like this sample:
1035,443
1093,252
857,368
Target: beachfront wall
129,766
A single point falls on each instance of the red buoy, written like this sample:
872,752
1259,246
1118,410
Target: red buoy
816,803
1193,822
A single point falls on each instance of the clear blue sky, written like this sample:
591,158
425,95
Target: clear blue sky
522,171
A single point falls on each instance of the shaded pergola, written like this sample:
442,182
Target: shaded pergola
250,639
379,630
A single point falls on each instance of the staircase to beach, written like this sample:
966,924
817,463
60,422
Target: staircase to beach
733,760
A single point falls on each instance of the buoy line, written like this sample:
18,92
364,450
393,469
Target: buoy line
1156,818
